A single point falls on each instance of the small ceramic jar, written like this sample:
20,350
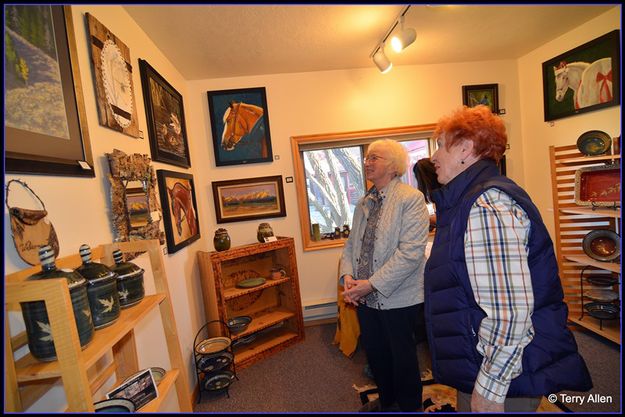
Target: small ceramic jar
129,281
345,231
101,289
221,240
40,341
264,230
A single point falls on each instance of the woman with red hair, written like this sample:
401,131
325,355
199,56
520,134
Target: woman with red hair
494,309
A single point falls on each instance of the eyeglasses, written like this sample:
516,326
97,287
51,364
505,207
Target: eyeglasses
372,158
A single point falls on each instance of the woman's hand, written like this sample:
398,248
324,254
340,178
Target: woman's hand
357,291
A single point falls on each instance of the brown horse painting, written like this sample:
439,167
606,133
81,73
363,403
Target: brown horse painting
242,120
182,207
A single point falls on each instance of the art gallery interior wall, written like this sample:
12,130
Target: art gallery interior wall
299,104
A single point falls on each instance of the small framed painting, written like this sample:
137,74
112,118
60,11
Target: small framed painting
249,199
177,192
486,94
165,113
240,126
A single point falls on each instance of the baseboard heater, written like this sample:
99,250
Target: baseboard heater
320,311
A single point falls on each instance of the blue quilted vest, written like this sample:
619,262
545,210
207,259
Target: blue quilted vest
550,361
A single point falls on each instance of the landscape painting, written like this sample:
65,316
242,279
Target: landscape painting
247,199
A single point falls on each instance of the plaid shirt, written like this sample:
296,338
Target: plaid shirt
496,256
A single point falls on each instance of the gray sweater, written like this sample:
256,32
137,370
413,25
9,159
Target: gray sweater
399,249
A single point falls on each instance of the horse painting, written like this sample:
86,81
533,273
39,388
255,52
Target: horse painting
591,82
243,121
182,207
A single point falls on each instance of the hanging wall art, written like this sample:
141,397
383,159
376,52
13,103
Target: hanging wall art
112,69
45,125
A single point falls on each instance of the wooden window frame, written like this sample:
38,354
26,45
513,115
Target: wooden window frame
354,138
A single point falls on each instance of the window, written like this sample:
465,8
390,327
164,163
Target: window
330,180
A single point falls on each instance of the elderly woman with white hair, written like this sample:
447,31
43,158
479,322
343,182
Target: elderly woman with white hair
382,274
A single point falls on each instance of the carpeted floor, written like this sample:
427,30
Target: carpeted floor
314,376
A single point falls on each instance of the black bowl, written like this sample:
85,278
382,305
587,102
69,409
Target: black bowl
602,311
602,245
219,381
238,324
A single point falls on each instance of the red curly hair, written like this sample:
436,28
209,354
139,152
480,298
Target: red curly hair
477,124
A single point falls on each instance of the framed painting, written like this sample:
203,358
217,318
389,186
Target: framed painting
249,199
179,205
583,79
112,68
164,110
240,126
45,123
486,94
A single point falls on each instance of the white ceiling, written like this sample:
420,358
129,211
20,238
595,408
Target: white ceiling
216,41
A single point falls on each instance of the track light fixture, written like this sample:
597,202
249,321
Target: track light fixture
404,38
381,61
399,43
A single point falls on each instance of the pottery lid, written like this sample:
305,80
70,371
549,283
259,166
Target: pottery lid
46,255
94,272
124,269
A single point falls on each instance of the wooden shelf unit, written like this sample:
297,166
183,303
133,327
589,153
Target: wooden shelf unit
27,378
572,223
275,306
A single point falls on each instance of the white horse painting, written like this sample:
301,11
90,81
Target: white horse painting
591,82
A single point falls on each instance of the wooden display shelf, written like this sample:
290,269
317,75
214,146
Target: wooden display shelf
263,321
234,292
610,329
571,224
263,345
588,211
586,260
30,369
27,379
273,302
589,159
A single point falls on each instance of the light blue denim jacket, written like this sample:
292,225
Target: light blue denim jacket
399,249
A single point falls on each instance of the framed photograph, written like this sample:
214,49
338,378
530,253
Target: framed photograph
249,199
140,389
45,123
112,68
165,113
240,126
583,79
177,192
487,94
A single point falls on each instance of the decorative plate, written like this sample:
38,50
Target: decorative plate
594,142
245,340
238,324
602,311
602,281
598,186
602,245
115,405
251,282
219,381
215,362
157,374
602,295
213,345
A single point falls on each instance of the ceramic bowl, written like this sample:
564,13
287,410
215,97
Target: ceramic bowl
213,345
219,381
238,324
602,311
602,245
115,405
212,363
594,142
